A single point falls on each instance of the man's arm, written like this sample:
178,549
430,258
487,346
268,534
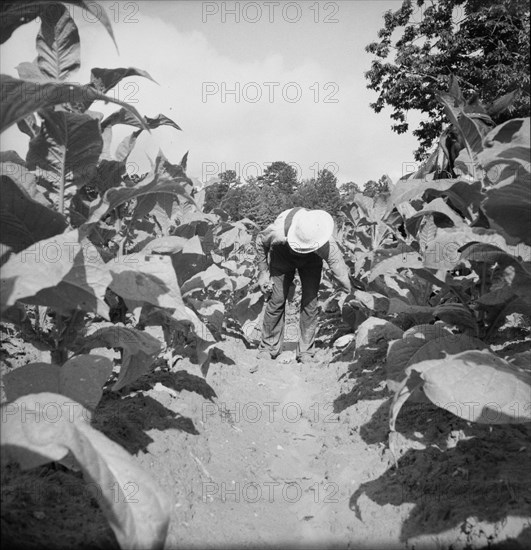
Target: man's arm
334,258
263,244
272,234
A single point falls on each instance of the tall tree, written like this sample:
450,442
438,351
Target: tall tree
373,188
281,175
216,192
348,190
484,43
229,177
328,193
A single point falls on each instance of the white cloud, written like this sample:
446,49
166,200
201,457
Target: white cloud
218,129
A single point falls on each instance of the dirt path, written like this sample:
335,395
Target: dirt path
277,469
296,456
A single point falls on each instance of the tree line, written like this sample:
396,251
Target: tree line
263,198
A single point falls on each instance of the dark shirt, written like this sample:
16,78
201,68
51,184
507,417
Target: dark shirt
274,235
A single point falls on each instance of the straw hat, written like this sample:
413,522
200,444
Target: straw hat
309,230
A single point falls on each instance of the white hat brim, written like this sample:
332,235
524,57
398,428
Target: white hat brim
305,247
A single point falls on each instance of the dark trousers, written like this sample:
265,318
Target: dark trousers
282,267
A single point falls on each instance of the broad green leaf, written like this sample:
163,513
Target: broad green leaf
455,314
400,352
105,79
122,116
211,311
373,301
23,220
154,183
190,261
62,272
109,174
58,44
68,147
20,98
498,252
138,278
126,146
508,205
82,378
233,237
241,282
13,14
373,209
477,386
428,231
23,178
139,350
469,127
388,261
199,227
508,142
473,131
31,71
174,319
496,297
137,510
164,245
419,313
443,252
517,274
213,278
438,206
461,193
249,308
439,347
464,196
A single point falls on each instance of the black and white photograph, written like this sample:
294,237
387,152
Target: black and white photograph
265,275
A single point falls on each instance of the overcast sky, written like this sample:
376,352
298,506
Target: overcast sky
295,70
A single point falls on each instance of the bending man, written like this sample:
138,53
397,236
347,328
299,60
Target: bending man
298,240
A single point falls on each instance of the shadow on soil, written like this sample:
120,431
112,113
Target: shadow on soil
368,372
465,471
126,419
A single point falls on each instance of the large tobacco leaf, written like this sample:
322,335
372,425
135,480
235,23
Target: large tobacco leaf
507,159
407,190
58,44
475,385
157,182
213,278
443,252
81,378
390,260
137,509
508,205
23,220
122,116
64,272
14,14
102,80
139,350
68,148
211,311
140,279
21,98
421,343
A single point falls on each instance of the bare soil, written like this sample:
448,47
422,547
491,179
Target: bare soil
291,456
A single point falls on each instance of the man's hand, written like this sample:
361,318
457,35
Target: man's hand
264,282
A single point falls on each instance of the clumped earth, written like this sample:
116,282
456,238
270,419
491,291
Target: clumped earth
288,456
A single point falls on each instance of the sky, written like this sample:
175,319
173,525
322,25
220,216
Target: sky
249,83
